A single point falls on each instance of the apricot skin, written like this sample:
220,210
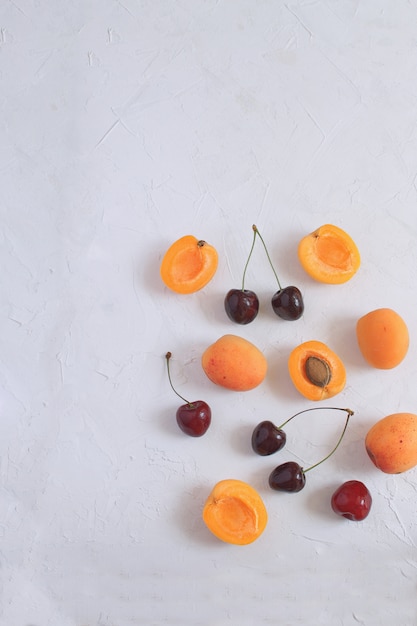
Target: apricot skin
235,512
234,363
382,338
391,443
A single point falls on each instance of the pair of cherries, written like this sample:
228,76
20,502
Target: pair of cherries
242,305
351,500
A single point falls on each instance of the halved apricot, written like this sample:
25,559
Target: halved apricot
316,371
235,512
234,363
188,264
382,338
329,255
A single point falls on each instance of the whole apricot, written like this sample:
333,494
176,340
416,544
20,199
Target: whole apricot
391,443
235,512
382,338
234,363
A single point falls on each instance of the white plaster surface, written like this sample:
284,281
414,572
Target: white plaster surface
124,126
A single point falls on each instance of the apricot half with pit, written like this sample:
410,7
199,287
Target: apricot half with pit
234,363
382,338
235,512
329,255
316,371
188,264
391,443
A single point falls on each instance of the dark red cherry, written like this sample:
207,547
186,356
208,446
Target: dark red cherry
267,438
287,477
288,303
352,500
194,418
241,305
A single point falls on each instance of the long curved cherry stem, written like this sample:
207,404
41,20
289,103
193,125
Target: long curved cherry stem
349,414
316,408
256,231
248,259
168,356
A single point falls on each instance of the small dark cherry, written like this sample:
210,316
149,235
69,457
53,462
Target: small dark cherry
242,305
352,500
267,438
291,477
193,418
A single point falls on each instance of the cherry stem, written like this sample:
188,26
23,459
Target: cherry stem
315,408
349,415
256,231
168,356
248,259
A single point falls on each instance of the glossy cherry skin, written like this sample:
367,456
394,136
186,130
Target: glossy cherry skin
194,418
241,305
267,438
287,477
288,303
352,500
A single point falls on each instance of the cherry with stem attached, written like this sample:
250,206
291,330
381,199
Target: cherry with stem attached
287,302
268,438
242,305
193,418
291,477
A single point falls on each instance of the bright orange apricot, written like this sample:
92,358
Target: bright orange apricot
235,512
316,371
329,255
188,264
382,338
234,363
391,443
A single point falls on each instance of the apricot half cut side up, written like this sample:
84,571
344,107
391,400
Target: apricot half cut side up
188,264
235,512
316,371
329,255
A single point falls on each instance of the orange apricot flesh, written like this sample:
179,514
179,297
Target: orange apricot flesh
391,443
383,338
316,371
235,512
329,255
234,363
188,265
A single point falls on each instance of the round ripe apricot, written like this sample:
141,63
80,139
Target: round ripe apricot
234,363
188,264
316,371
391,443
329,255
235,512
382,338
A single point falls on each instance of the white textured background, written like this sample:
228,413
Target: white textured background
125,125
